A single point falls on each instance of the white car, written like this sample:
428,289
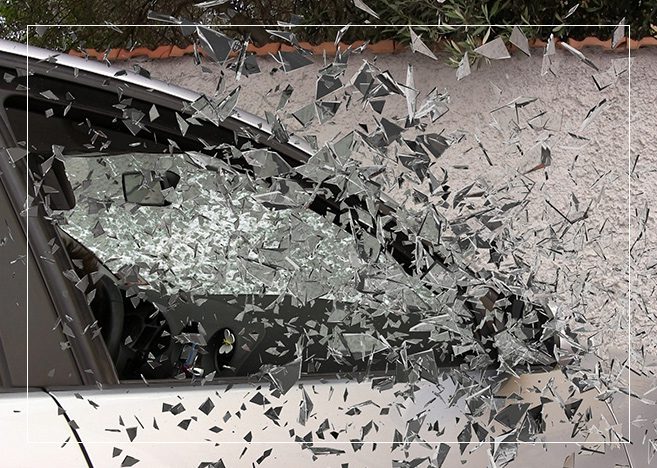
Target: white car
200,290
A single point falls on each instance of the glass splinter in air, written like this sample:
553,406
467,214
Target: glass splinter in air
495,49
329,293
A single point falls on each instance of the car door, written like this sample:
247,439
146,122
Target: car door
149,398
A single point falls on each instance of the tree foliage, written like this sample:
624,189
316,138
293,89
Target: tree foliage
114,18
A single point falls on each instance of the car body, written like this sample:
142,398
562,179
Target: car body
78,406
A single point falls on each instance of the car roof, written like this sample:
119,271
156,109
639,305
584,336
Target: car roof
130,77
98,68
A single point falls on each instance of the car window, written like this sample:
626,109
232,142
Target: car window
223,272
204,251
221,234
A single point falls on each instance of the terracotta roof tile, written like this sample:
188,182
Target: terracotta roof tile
386,46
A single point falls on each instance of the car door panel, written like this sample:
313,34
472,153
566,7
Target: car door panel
182,425
247,416
50,440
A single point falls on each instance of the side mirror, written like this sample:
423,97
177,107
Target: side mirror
147,188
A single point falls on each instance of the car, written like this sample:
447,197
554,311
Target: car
196,279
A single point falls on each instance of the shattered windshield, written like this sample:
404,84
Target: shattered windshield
214,236
218,234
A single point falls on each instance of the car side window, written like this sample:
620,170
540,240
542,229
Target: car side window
195,267
215,239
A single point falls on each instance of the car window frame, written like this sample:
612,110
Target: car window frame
400,246
292,154
90,356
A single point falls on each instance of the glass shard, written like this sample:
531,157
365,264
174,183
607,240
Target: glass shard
361,5
464,68
619,34
519,40
417,45
494,50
